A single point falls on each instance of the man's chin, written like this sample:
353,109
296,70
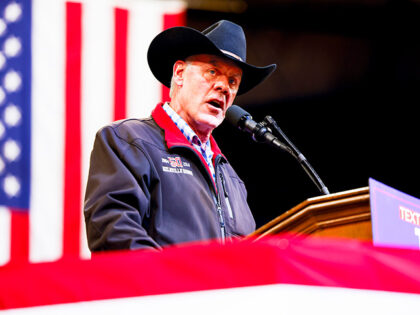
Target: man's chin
210,121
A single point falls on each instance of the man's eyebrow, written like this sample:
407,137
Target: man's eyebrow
215,63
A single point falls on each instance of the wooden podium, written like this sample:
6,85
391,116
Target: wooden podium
345,214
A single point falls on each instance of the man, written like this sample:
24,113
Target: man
163,180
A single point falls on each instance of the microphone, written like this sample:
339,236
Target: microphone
261,133
241,119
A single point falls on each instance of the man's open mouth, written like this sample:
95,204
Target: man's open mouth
216,103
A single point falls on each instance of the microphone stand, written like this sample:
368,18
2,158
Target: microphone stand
290,148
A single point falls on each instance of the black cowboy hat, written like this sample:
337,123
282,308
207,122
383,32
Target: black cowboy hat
223,38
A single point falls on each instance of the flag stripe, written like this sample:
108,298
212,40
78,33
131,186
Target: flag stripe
20,236
72,156
47,134
120,63
171,20
5,231
143,89
97,83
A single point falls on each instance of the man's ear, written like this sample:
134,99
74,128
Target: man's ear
178,72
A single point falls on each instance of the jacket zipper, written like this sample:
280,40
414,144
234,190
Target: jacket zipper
221,219
222,178
218,203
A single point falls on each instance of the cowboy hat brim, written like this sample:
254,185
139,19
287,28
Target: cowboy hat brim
178,43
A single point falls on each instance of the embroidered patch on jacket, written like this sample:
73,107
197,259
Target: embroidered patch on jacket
174,164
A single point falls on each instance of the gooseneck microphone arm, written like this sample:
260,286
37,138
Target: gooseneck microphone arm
261,132
298,155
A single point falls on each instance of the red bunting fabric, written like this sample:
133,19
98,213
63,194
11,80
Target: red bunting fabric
207,266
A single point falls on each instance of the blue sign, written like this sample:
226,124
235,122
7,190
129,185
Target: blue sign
395,217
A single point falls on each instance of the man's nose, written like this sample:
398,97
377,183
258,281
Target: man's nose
222,84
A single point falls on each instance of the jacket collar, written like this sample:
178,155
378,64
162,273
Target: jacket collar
174,136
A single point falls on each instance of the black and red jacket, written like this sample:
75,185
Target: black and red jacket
149,187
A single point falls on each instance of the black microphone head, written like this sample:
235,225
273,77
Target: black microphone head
234,114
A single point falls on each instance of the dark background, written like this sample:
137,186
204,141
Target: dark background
345,92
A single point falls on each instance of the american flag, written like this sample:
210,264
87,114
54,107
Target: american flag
66,69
